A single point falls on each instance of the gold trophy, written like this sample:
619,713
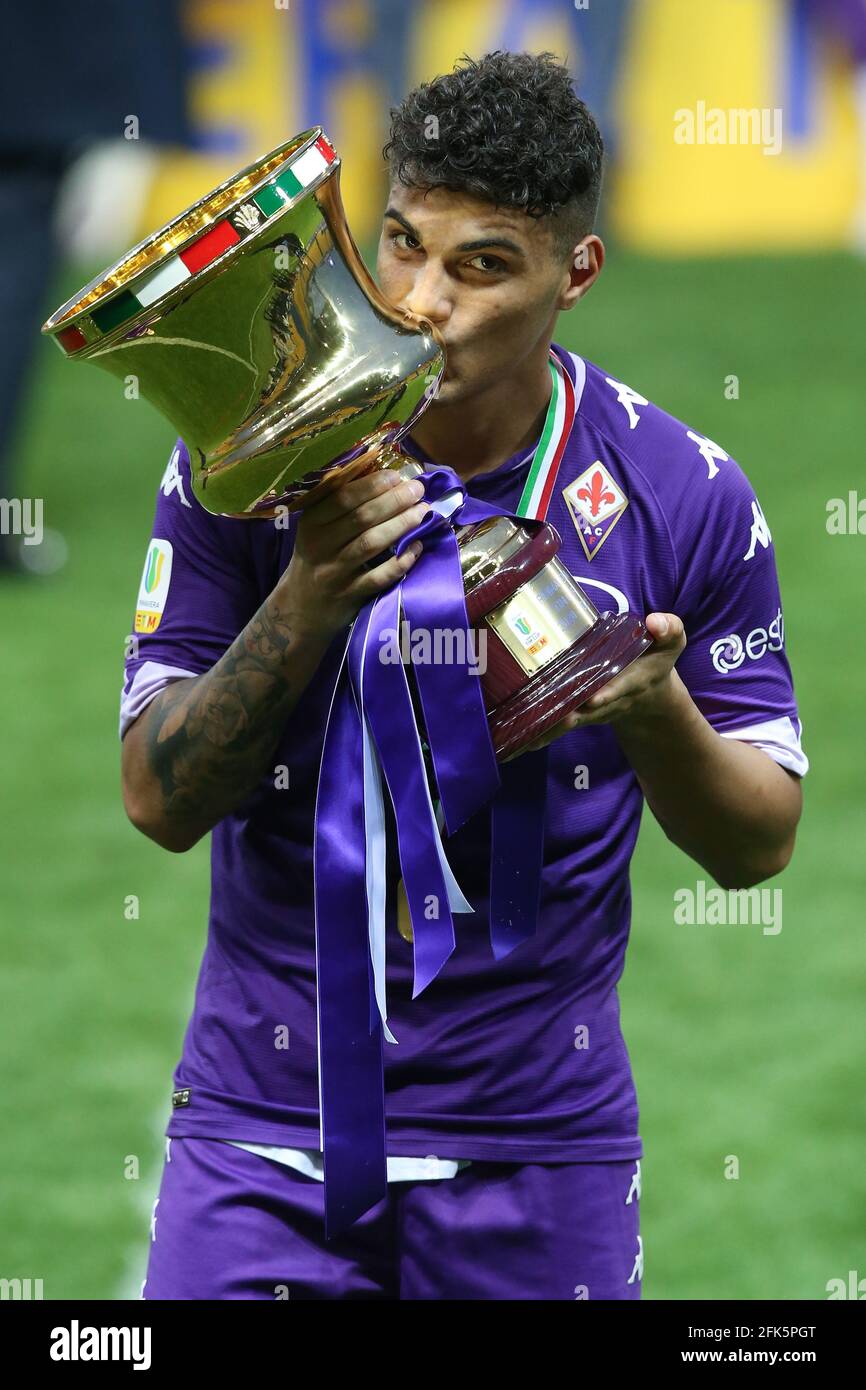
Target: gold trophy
251,322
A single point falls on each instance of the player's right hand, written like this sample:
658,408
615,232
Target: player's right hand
328,579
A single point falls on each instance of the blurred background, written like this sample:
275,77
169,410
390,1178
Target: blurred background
734,297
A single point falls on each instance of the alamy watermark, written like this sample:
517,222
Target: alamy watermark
846,517
21,1289
77,1343
729,907
22,516
852,1287
440,646
734,125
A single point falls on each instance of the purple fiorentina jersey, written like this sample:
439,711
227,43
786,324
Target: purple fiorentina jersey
522,1059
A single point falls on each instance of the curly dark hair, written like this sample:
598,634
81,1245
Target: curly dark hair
508,128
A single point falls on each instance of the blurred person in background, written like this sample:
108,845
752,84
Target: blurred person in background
599,32
602,33
392,32
845,22
74,76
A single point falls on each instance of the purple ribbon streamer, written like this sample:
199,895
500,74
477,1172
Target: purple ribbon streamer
517,813
388,707
351,1072
467,778
450,693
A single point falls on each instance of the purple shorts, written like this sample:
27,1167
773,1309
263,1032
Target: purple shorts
233,1224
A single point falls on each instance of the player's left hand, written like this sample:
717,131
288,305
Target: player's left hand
637,692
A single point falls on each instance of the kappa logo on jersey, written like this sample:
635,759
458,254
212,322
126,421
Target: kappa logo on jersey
154,587
596,504
172,480
710,452
628,399
730,652
760,534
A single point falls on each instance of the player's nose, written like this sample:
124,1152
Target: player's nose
427,297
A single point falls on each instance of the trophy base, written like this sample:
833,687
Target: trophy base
611,644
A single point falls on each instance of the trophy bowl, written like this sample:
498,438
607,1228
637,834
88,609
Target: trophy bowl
252,323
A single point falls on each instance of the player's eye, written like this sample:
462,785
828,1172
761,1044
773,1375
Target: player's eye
395,238
493,265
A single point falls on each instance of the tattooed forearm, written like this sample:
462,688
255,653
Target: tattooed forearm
203,744
208,745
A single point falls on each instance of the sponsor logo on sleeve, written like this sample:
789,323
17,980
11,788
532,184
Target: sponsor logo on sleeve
153,593
596,503
729,653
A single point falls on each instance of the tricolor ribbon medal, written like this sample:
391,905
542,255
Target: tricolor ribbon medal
538,489
596,503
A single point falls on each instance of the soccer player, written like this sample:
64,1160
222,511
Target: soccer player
512,1120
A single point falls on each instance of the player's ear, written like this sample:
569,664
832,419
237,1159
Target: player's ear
587,261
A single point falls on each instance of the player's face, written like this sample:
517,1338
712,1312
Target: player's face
490,279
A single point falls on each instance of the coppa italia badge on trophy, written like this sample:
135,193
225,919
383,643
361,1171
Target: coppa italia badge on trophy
253,325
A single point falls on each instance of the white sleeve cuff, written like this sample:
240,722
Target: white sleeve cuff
147,682
780,738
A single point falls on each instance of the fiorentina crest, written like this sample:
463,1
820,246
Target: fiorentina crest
596,504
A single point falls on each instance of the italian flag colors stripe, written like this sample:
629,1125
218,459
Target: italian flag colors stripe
210,245
538,489
163,280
